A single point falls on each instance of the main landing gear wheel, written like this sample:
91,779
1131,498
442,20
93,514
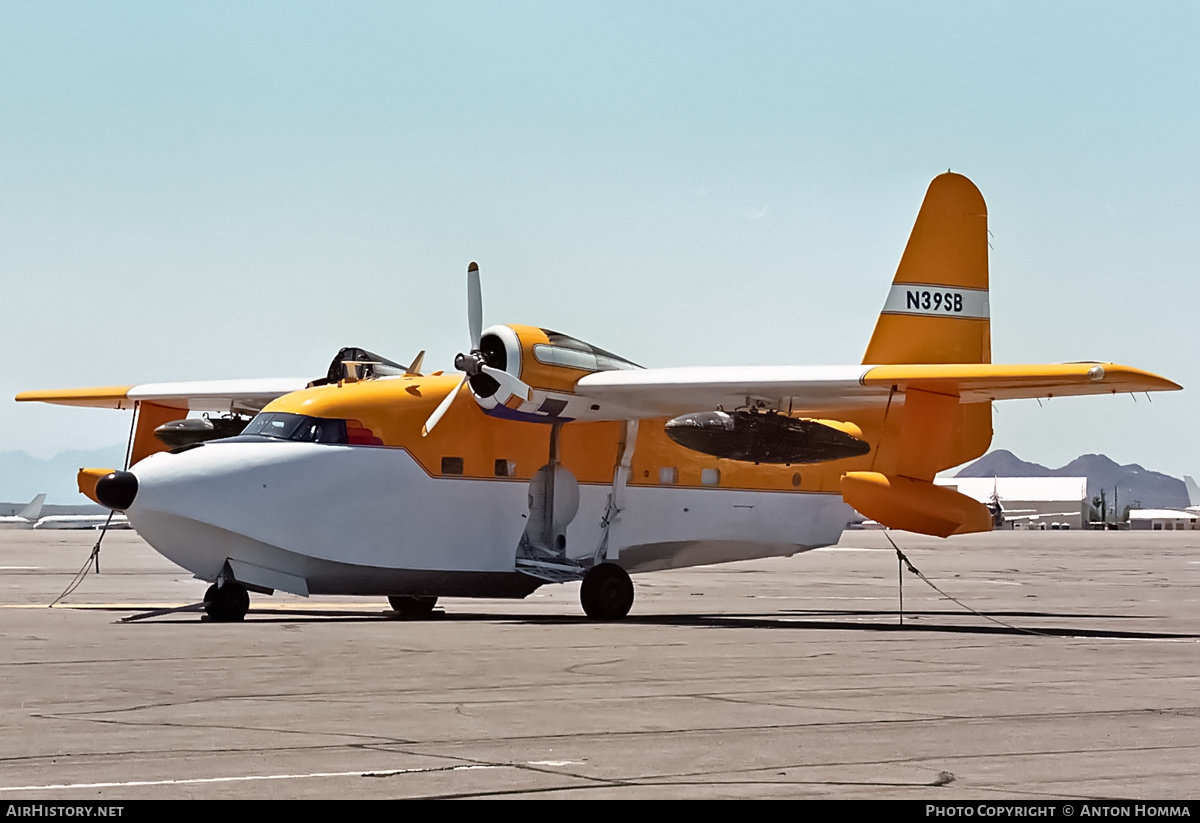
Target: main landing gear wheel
228,603
606,593
411,605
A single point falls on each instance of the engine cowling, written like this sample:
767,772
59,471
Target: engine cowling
550,363
767,437
191,430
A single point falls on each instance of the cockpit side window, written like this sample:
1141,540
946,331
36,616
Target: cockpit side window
318,430
304,429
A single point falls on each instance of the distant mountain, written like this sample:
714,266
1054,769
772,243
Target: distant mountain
1003,463
1133,484
23,476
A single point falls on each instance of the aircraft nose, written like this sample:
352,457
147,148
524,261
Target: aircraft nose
116,490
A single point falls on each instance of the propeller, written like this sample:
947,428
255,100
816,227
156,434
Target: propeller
473,363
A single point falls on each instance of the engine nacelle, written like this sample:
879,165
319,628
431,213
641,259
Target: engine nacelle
548,362
191,430
757,437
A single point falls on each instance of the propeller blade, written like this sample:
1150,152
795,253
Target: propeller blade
512,384
474,305
473,363
442,408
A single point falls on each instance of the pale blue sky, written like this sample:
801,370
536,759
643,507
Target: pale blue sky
209,190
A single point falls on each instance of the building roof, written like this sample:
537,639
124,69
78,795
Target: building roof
1162,514
1028,489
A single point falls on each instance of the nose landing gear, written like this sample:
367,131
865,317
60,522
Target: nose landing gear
226,603
409,605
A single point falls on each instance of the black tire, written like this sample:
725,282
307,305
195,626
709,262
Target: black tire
228,603
606,593
413,605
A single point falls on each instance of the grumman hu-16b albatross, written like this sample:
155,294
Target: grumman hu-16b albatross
551,460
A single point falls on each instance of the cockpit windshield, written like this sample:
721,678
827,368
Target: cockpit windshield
303,429
277,425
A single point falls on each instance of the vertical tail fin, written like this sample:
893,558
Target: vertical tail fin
936,313
33,509
1192,489
937,310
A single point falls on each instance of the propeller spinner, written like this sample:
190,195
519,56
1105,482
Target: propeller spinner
474,362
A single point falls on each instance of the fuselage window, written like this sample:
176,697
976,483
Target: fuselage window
505,468
668,476
710,477
452,465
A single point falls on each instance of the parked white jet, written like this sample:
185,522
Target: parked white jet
26,517
83,521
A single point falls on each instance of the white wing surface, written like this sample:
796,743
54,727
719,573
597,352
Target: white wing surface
813,390
248,395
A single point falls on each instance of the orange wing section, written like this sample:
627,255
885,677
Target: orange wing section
87,479
979,383
149,417
99,397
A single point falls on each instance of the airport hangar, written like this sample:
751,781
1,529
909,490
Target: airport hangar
1030,502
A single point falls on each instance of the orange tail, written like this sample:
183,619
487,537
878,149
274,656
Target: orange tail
937,310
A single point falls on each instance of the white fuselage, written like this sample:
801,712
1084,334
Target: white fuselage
335,519
15,521
82,521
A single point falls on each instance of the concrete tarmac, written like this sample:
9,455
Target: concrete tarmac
779,678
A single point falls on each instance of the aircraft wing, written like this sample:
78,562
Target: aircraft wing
247,395
813,390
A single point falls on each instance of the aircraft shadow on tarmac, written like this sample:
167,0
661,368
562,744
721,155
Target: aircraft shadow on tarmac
870,620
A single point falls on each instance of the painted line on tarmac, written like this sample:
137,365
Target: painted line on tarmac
243,778
369,608
833,549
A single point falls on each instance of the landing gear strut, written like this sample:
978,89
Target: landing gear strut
412,605
606,593
228,603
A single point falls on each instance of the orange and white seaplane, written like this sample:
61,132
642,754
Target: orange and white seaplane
550,460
